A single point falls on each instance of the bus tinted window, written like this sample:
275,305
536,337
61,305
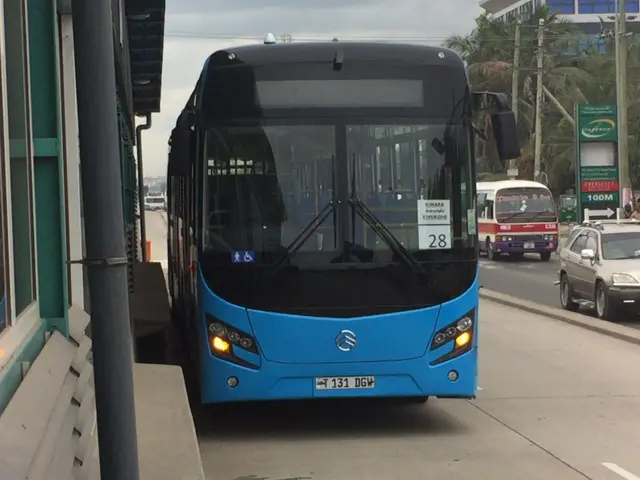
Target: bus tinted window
265,185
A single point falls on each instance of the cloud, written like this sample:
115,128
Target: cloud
196,28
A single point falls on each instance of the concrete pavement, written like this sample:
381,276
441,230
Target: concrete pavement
529,279
545,411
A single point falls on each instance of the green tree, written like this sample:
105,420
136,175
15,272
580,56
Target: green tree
574,73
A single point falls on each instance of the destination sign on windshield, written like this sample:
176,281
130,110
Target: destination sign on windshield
523,196
340,93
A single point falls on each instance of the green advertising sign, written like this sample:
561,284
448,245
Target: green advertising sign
601,129
599,173
601,198
595,110
597,160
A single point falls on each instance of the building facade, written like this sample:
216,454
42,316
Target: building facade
585,13
41,224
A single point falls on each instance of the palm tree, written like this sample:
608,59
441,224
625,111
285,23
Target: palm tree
489,50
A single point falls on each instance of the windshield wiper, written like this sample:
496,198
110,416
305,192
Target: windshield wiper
508,217
378,227
305,234
300,240
541,213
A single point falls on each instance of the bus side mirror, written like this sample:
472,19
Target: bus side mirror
180,152
505,132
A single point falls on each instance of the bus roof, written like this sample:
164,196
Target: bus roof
497,185
305,52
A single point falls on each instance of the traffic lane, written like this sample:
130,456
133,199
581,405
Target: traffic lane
484,439
156,232
528,278
533,280
570,391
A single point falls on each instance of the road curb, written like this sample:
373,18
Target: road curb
599,326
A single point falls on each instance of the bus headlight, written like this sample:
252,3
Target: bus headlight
224,339
464,324
220,345
463,339
217,329
454,330
458,334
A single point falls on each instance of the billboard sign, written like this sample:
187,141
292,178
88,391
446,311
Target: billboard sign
597,161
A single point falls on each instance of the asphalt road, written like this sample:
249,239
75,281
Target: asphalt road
529,279
546,411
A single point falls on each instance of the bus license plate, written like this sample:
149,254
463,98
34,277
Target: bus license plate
345,383
529,245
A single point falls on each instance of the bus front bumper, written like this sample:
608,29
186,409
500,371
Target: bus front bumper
525,247
221,381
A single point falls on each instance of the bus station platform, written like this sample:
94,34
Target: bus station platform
167,443
48,429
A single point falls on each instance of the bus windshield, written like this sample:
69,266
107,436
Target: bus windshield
272,187
312,208
528,204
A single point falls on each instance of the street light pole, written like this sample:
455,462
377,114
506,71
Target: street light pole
622,99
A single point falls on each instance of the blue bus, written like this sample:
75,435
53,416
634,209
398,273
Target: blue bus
322,222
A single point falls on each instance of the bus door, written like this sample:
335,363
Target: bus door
486,222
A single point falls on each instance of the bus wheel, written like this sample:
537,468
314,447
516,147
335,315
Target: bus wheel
491,254
545,256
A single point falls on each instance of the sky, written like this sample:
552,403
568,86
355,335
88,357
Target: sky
194,29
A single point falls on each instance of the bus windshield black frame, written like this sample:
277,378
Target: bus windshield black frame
337,273
230,94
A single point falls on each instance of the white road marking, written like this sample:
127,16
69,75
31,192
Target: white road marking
620,471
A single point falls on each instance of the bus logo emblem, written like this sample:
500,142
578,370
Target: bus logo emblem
346,340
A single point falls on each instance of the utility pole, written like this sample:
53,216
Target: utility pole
515,84
106,259
622,99
538,128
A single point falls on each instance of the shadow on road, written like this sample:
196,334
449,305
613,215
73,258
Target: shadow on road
320,419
